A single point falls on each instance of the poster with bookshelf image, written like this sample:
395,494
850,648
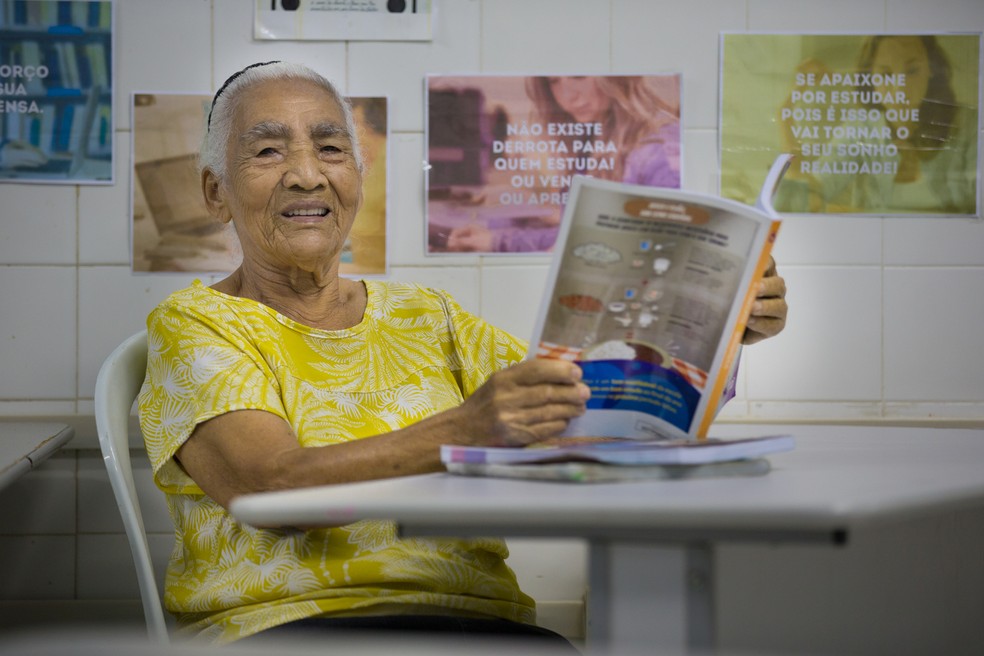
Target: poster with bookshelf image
56,91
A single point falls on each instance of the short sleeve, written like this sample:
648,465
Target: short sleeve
649,164
198,367
480,348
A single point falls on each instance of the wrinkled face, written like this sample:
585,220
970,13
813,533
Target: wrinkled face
904,54
293,186
579,97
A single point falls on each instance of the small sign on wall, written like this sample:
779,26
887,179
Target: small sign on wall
343,20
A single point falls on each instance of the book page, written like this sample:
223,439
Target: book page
643,296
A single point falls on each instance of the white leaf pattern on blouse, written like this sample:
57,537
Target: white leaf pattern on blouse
415,353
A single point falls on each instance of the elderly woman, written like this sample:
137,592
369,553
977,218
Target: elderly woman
286,375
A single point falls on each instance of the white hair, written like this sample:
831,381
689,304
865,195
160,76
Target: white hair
215,143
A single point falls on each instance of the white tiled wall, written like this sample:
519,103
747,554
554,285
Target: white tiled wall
885,315
866,295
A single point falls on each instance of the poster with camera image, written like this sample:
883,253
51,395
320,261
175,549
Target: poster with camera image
880,124
343,20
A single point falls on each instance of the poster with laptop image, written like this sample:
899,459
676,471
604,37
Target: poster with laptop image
172,230
502,150
56,91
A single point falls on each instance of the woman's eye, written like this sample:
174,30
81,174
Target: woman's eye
266,152
331,149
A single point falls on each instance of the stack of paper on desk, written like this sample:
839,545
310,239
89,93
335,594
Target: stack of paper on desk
618,460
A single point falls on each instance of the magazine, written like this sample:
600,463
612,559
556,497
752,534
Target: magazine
649,292
612,451
596,472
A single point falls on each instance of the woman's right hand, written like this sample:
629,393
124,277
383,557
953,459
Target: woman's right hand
529,402
246,451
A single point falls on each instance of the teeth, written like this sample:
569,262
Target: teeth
318,212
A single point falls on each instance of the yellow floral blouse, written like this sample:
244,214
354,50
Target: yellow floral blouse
416,352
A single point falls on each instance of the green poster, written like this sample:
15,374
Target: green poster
880,124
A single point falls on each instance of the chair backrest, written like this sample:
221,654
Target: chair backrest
117,385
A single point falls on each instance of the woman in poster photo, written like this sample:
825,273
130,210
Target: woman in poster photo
641,121
932,151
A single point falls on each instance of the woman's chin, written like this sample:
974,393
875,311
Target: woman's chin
312,253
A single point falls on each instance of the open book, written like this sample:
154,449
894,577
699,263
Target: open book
649,292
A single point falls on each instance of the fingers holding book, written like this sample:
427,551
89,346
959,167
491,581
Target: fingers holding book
528,402
768,316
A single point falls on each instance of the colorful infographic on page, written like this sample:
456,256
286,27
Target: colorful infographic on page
884,124
643,298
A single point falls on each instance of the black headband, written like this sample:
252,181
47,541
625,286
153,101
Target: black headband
228,82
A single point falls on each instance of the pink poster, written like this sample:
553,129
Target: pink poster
502,151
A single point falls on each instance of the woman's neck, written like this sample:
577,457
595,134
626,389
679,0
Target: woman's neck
323,301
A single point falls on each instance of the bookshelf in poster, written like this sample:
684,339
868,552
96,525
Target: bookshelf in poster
57,81
649,292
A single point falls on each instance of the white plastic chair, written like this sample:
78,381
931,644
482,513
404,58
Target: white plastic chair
117,385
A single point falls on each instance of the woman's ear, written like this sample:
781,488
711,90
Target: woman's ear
214,197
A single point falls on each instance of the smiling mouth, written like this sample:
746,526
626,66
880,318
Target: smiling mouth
307,215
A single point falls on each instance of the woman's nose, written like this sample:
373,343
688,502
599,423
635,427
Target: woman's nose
569,97
303,171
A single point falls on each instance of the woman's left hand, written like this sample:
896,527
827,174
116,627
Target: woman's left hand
768,316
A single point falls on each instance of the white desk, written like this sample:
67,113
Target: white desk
651,543
24,445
